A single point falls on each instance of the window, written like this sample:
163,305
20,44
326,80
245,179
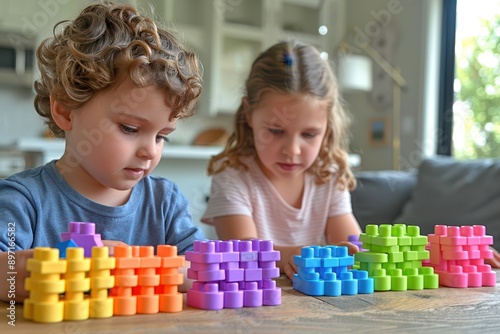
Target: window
471,91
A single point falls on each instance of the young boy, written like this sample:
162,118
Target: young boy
113,85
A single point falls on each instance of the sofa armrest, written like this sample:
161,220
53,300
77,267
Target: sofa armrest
381,195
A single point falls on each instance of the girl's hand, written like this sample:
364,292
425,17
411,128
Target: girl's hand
351,248
495,261
290,268
111,245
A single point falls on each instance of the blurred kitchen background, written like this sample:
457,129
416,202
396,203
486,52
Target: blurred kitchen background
388,40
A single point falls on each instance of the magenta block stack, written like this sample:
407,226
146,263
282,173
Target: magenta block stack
457,255
233,274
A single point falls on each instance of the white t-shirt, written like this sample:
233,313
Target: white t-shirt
250,193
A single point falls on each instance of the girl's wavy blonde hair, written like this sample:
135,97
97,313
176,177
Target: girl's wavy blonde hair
106,43
292,67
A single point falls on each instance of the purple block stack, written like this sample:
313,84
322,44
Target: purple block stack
233,274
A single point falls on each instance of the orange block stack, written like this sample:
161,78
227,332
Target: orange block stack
170,279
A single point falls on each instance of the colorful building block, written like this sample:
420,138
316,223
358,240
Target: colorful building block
125,303
233,274
63,246
76,307
147,280
101,305
457,255
324,271
393,258
83,234
44,286
138,281
170,299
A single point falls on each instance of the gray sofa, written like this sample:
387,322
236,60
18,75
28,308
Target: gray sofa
440,191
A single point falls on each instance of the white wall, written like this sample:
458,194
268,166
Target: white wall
413,52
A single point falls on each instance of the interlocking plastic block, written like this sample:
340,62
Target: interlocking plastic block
457,254
400,232
384,237
398,281
349,284
354,239
63,245
330,275
44,286
170,299
365,283
267,252
252,295
371,257
205,296
83,234
431,279
398,249
310,285
381,281
233,274
332,286
76,307
271,295
101,305
233,297
125,279
147,280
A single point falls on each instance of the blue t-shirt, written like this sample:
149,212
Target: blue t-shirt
36,206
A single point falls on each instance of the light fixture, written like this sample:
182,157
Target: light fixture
355,72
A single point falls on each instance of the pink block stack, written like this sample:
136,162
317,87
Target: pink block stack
457,254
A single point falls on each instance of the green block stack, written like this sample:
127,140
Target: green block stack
394,258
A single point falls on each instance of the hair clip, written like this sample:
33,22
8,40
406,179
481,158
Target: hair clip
287,58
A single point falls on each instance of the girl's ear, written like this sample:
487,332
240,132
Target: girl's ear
60,114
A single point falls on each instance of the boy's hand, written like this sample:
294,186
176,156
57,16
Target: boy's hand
111,245
21,257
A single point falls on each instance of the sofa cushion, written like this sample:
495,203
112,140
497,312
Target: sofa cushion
452,192
380,196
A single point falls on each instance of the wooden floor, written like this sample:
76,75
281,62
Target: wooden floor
443,310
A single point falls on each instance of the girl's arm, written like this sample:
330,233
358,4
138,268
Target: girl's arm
339,228
236,227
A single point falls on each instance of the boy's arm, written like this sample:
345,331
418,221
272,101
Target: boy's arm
13,274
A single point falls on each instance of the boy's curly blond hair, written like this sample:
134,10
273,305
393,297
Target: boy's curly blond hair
106,43
292,67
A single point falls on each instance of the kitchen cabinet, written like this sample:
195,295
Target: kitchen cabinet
229,34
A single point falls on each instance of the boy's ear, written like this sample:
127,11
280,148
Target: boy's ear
60,114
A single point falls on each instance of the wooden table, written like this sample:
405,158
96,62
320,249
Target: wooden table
443,310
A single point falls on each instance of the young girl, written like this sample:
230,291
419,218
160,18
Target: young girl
113,85
284,173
